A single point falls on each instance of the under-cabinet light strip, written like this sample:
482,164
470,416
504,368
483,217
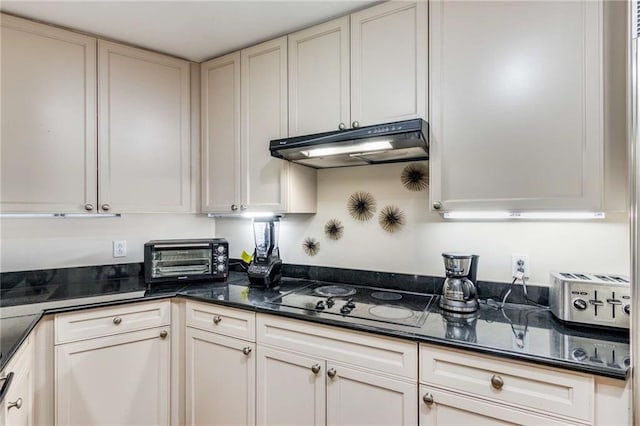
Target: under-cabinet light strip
58,215
496,215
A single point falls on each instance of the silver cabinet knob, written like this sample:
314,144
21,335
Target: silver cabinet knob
217,319
437,205
355,124
88,207
315,368
17,404
105,207
246,350
163,334
117,320
427,398
497,382
234,207
332,373
342,126
243,207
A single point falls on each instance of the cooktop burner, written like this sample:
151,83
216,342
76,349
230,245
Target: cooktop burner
334,290
376,304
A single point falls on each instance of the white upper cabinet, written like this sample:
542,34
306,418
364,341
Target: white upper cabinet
48,119
319,78
516,111
263,89
220,85
389,63
144,131
363,69
244,107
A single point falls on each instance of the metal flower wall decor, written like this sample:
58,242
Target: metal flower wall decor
415,177
334,229
391,218
311,246
361,206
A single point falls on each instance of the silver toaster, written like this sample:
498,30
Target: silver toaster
591,299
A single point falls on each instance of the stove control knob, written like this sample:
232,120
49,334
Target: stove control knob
345,310
320,305
330,302
350,304
627,309
579,354
580,304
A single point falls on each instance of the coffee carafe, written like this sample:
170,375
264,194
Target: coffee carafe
459,291
265,269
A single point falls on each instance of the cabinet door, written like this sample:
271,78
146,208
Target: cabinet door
264,117
289,390
516,109
221,133
17,407
118,380
319,78
221,378
144,126
389,63
441,408
48,151
358,397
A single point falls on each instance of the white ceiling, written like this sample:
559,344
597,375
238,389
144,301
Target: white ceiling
194,30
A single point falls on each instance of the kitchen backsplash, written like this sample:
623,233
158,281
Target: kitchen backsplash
595,246
59,243
598,246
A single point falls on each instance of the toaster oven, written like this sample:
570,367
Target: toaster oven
186,260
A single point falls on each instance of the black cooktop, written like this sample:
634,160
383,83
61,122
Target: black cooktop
370,303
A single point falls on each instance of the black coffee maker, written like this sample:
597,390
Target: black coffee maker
265,269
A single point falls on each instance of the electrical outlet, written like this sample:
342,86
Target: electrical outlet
119,248
520,262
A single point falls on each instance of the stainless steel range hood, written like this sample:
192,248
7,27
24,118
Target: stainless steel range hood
382,143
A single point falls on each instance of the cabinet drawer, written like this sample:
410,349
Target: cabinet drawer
523,385
220,319
385,354
73,326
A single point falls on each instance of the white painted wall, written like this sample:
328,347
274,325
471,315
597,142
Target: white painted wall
57,243
593,246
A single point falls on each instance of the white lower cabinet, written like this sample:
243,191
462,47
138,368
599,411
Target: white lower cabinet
310,374
442,408
17,407
119,376
220,382
355,396
291,388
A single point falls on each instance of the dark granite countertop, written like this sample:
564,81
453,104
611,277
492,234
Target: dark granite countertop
518,332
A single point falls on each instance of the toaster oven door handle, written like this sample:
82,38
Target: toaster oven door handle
177,246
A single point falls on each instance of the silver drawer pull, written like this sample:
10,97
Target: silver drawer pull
497,382
17,404
315,369
117,320
163,334
428,398
217,319
332,373
246,350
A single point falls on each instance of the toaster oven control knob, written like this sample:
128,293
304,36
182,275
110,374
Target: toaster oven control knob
626,309
220,259
220,267
580,304
221,249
